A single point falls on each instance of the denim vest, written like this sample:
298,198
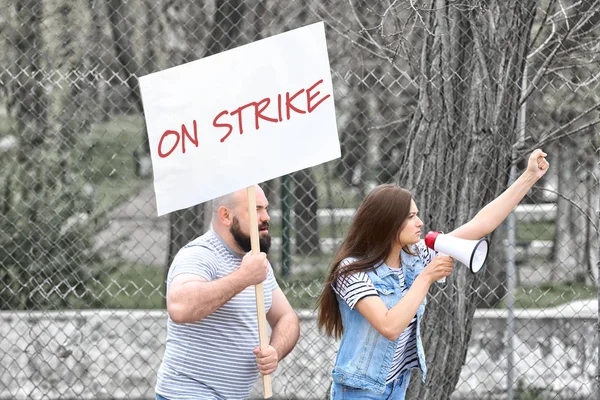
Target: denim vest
365,356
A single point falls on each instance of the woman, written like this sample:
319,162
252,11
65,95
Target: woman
374,296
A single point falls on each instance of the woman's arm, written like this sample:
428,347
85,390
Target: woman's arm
391,323
492,215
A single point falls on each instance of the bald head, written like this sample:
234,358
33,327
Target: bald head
233,200
231,220
230,200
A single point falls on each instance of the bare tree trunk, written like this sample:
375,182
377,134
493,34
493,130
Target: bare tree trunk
21,178
566,264
576,238
187,30
227,30
121,25
355,142
151,29
185,226
75,114
28,95
122,31
306,208
45,248
97,73
184,44
459,149
492,288
574,229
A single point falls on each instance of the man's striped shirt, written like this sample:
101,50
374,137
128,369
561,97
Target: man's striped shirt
212,358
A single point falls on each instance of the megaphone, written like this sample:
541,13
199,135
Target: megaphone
471,253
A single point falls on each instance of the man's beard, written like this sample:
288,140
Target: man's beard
244,240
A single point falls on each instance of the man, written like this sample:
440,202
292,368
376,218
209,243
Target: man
212,347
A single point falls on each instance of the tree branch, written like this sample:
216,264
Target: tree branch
554,135
573,203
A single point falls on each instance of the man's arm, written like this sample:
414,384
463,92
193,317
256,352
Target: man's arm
285,327
192,297
285,330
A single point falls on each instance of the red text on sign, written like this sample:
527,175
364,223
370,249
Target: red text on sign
292,103
184,134
272,110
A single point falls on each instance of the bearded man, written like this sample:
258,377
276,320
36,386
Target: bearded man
212,347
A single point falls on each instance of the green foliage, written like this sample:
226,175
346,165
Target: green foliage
52,206
529,393
131,286
528,231
551,295
303,286
47,233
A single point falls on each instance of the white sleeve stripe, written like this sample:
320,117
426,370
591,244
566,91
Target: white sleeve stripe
354,287
425,252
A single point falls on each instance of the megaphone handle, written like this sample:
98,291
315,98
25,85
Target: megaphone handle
443,280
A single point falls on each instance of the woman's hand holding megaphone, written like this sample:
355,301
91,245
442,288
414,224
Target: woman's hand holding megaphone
440,267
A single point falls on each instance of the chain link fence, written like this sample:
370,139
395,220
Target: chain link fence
441,97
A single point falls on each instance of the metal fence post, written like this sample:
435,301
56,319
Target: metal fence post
597,179
286,225
511,235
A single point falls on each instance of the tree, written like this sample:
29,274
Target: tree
354,140
459,149
29,102
95,58
151,32
46,233
121,25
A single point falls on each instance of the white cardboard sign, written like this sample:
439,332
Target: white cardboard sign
241,117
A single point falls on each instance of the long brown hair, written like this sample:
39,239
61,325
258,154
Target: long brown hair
376,225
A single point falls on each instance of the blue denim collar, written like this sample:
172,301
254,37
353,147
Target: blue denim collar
382,270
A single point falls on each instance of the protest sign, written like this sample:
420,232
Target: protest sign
241,117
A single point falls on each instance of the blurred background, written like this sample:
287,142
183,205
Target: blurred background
445,98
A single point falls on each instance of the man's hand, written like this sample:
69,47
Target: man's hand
266,360
254,268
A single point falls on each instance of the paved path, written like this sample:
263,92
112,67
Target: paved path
138,233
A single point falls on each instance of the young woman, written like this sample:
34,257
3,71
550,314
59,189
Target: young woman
374,296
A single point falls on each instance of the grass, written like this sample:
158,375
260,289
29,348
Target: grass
132,286
108,153
529,231
546,296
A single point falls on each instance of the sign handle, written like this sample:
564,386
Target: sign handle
263,335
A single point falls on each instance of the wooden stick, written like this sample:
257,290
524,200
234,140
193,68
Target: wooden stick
263,335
